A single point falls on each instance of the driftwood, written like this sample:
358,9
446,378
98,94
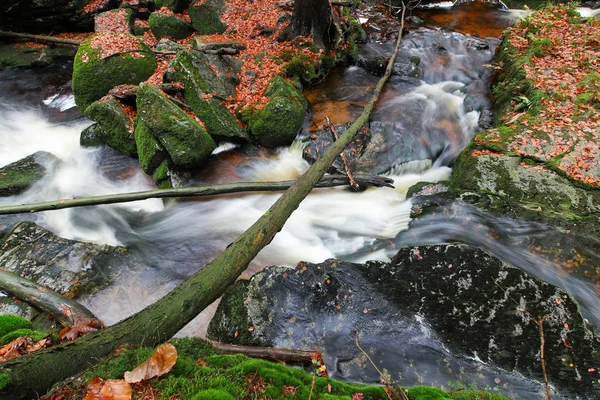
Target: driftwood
270,353
41,38
64,310
353,183
196,191
33,374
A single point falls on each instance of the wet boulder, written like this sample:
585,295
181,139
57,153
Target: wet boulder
278,122
433,314
20,175
208,79
114,126
49,16
169,26
184,139
150,152
117,20
15,55
206,16
106,60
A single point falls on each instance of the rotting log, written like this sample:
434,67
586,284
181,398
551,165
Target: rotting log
195,191
33,374
64,310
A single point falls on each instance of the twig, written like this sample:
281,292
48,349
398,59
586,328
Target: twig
277,354
353,183
312,386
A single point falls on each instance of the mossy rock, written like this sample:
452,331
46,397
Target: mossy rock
206,16
15,55
114,128
150,152
94,73
33,334
91,136
18,176
116,20
170,26
208,79
176,6
162,176
186,142
9,323
278,122
281,87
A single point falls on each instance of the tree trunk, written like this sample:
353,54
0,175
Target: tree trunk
33,374
311,18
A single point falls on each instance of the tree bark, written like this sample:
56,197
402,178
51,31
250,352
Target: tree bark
270,353
194,191
35,373
66,311
311,18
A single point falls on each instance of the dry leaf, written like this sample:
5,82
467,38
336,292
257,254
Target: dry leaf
112,389
159,364
79,329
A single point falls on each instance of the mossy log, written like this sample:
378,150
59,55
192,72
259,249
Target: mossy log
193,191
33,374
64,310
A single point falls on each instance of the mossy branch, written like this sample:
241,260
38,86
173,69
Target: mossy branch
41,38
194,191
35,373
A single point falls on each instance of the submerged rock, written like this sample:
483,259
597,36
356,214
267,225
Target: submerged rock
419,317
15,55
17,177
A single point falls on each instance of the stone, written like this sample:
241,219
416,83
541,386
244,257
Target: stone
20,175
176,6
96,71
150,152
15,55
169,26
430,306
206,16
114,126
117,20
186,142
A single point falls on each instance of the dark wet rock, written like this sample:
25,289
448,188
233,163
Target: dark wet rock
48,16
426,189
20,175
17,56
419,316
113,126
209,79
94,75
171,26
66,266
206,16
186,142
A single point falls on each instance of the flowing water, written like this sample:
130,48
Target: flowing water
424,123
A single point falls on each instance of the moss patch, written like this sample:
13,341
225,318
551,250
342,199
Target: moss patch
170,26
33,334
9,323
115,127
206,16
150,153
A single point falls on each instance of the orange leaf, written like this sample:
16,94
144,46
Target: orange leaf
112,389
159,364
80,328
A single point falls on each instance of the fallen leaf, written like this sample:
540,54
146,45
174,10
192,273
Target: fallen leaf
159,364
79,329
112,389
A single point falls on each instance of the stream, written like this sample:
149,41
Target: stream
422,123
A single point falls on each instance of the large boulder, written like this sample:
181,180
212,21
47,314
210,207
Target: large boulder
117,20
421,317
206,16
208,79
114,125
150,152
106,60
186,142
18,176
170,26
15,55
48,16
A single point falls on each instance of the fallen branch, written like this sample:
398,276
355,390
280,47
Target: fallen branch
195,191
129,91
66,311
271,353
353,183
27,376
41,38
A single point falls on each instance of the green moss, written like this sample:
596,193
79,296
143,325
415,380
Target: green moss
170,26
150,153
213,394
278,122
33,334
173,5
9,323
281,87
206,17
114,368
161,176
14,55
4,379
114,126
476,395
427,393
18,176
94,75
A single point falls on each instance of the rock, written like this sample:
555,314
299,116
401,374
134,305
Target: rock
96,70
162,176
430,306
114,126
279,121
207,80
91,136
176,6
168,25
117,20
15,55
206,16
186,142
66,266
18,176
48,16
150,152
